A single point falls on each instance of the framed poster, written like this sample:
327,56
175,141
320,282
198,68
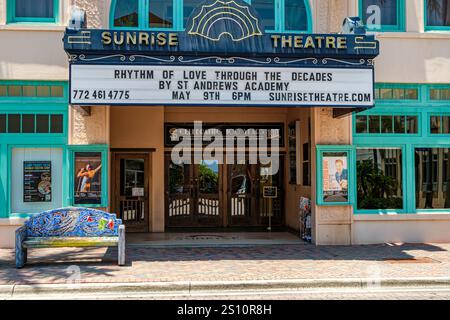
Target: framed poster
335,175
37,181
88,178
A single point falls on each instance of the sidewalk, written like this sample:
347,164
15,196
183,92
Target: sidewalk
260,263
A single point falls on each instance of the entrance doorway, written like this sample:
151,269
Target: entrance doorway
216,195
131,189
194,194
247,204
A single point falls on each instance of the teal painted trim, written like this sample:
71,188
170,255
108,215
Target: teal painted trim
178,15
36,107
178,10
22,215
144,7
401,19
350,150
378,212
104,150
4,213
433,211
27,100
432,28
405,177
10,148
11,14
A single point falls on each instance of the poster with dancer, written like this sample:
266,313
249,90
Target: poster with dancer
88,178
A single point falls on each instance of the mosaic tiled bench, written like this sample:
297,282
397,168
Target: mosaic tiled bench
70,227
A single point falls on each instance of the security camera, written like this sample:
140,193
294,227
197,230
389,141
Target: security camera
77,19
353,25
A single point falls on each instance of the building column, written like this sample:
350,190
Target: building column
331,224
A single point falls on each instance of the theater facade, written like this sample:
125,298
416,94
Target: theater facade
219,115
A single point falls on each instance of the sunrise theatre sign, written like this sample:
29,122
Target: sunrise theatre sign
222,58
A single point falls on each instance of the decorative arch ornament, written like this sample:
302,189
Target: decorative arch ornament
221,18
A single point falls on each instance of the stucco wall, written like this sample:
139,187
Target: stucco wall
332,224
97,12
139,127
32,55
405,228
91,129
7,232
413,58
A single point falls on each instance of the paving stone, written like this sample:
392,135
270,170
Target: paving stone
98,265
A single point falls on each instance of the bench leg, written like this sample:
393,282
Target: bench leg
121,248
21,252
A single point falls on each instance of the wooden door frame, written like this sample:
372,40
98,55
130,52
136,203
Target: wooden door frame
255,192
166,193
115,178
194,174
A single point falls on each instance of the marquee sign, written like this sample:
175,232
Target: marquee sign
200,85
222,58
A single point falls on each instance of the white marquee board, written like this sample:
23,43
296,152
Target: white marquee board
208,85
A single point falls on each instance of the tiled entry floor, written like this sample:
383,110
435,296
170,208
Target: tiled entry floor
212,239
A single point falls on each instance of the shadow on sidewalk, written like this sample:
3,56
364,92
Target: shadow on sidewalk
61,265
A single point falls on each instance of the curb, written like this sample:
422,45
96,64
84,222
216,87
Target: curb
186,288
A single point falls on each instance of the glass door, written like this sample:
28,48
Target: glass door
131,191
193,194
242,182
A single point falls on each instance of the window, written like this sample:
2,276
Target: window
266,10
160,14
386,124
14,123
45,11
437,14
379,178
440,124
188,7
440,94
295,13
31,123
31,91
126,14
382,15
306,165
432,173
386,93
419,130
276,15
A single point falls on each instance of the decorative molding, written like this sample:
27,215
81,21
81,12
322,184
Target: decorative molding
133,57
222,60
